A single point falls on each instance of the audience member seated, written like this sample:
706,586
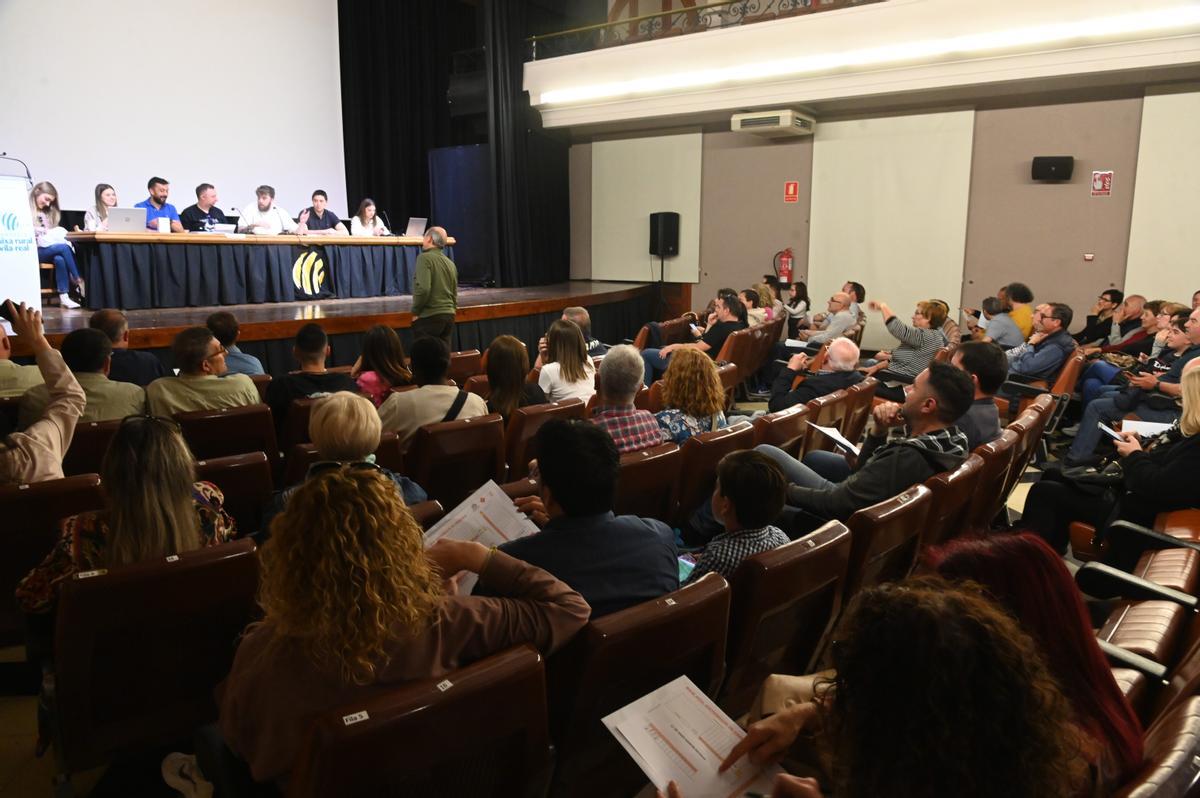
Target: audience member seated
366,223
693,397
918,344
87,353
1106,375
318,220
988,367
1126,320
311,350
1156,478
583,319
631,429
36,454
204,215
1043,355
128,365
154,508
568,372
937,692
769,300
265,217
728,316
1098,325
1166,313
613,561
1025,577
1150,396
833,324
797,308
434,399
157,207
15,379
200,359
824,487
1000,328
52,244
353,603
507,369
346,429
95,218
841,364
755,313
950,327
747,498
1140,340
380,368
224,327
1019,303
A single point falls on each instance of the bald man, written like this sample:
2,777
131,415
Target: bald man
435,290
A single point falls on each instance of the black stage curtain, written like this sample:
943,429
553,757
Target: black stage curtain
395,62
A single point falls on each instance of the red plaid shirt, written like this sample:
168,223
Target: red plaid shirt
631,429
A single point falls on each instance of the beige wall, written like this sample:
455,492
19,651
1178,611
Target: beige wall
743,218
1038,233
580,168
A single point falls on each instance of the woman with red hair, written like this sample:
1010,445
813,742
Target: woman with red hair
1026,577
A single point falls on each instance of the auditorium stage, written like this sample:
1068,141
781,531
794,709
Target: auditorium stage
617,309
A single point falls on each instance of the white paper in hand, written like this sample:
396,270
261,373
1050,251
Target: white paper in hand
838,438
677,734
487,516
1145,429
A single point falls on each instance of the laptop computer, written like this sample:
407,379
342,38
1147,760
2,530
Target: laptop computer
126,220
416,227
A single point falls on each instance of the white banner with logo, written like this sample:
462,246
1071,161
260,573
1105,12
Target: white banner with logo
19,280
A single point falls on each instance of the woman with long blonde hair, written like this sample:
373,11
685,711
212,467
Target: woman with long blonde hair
568,372
51,241
155,508
693,399
353,602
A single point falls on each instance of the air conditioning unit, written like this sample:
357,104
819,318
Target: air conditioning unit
774,124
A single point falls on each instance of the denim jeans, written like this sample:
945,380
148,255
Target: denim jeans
820,470
1104,409
653,362
65,270
1096,376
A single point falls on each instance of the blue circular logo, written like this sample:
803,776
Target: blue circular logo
9,221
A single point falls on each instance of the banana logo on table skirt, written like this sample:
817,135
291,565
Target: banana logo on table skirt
308,273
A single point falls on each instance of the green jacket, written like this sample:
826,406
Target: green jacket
435,289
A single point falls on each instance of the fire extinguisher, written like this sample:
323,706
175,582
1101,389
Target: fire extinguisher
785,265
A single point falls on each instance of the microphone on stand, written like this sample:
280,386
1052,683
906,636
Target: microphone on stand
388,222
28,176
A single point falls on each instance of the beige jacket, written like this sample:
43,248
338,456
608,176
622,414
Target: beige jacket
36,454
167,396
106,399
16,379
403,413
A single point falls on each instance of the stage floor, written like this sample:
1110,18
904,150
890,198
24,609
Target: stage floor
156,327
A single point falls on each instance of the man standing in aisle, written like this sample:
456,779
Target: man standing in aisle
435,290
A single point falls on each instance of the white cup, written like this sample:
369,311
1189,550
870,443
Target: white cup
164,224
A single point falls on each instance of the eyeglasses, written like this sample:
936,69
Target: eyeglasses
167,422
221,351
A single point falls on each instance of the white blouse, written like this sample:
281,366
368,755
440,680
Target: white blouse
556,388
92,223
357,228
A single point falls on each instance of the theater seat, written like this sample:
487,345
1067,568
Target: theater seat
32,518
885,538
1172,765
230,430
1151,629
245,481
464,365
784,602
295,424
648,481
139,650
480,730
451,459
618,659
88,446
858,413
478,384
427,513
952,492
829,410
303,455
701,453
784,429
520,441
261,381
986,502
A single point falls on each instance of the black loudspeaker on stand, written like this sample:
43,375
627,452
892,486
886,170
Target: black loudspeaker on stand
664,242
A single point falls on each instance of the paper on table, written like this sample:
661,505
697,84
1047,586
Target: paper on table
677,734
487,516
837,438
1147,429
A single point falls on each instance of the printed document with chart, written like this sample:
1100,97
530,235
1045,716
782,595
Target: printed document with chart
677,734
487,516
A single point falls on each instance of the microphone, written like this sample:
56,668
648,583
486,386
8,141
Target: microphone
388,222
28,176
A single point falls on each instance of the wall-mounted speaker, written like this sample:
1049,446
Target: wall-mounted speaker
664,234
1053,167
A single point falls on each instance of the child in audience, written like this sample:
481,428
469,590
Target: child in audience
380,368
747,497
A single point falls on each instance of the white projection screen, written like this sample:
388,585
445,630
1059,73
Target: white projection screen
225,92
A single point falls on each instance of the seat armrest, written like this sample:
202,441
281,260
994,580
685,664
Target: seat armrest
1127,659
1013,388
1104,581
1126,541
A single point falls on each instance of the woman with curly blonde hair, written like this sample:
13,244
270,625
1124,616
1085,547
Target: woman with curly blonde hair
353,602
692,395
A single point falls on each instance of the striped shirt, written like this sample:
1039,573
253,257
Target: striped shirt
725,552
916,350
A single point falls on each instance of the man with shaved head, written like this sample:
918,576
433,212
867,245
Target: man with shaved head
840,372
435,290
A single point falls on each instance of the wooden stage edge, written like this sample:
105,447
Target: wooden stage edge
154,328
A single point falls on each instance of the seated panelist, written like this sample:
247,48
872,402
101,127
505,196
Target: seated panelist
318,220
265,217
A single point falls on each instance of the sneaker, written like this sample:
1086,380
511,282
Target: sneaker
65,301
181,772
1070,431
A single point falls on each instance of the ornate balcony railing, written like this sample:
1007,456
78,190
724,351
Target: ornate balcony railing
678,22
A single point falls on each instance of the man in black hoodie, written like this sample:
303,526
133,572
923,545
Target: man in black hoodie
939,396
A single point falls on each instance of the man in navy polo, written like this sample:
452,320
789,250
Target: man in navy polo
157,207
319,220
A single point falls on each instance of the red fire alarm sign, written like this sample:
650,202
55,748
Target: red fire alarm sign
791,191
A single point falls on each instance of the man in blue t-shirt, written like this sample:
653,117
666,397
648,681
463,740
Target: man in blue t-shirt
319,220
157,207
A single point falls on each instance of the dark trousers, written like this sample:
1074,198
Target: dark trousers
1053,504
440,326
